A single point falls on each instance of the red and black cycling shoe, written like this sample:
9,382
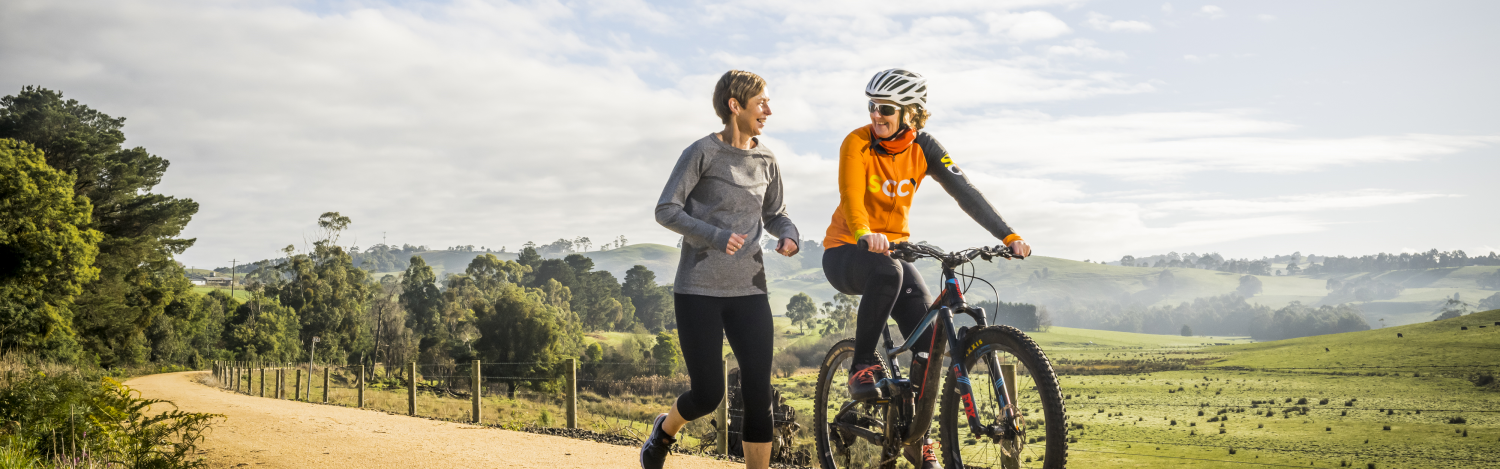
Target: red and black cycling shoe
862,379
923,456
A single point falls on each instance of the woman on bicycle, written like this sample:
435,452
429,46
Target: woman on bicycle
881,166
722,196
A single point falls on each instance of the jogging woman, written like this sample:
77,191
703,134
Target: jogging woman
881,166
723,195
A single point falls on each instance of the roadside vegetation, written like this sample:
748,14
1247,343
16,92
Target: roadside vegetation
58,416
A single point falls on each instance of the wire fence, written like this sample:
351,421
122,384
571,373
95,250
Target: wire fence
536,395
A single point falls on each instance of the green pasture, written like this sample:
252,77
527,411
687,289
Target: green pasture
1370,397
239,293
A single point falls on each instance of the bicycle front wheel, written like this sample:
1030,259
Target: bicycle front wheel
1043,437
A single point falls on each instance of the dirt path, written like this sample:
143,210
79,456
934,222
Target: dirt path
271,433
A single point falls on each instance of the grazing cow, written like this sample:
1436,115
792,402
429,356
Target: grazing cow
1398,334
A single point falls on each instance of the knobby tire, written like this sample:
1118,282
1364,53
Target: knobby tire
1036,386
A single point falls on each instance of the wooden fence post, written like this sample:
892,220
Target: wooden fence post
239,369
476,387
262,380
1008,371
325,385
572,393
297,385
722,413
361,385
411,390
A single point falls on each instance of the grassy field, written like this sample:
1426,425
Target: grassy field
1370,397
1356,398
1141,400
239,293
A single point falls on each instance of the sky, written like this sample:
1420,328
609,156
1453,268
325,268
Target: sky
1098,129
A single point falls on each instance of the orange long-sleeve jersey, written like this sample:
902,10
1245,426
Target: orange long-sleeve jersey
876,187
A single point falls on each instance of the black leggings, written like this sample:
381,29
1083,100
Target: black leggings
892,289
702,324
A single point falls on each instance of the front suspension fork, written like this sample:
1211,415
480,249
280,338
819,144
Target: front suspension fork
965,391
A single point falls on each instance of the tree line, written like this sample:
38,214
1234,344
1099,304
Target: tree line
87,275
1296,263
1223,315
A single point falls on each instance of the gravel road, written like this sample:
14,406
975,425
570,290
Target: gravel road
270,433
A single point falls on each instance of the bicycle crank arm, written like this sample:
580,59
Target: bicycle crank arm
862,432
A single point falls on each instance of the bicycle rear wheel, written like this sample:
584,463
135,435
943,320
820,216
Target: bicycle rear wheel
1043,439
841,448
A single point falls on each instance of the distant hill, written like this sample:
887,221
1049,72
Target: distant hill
1056,282
1426,344
660,259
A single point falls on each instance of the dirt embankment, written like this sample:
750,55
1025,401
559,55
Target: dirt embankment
271,433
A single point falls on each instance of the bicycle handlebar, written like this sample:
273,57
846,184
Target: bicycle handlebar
911,252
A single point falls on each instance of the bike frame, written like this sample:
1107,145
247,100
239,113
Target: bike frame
941,313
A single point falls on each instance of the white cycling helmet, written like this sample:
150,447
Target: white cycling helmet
900,86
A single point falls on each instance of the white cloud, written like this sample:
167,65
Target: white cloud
1061,219
485,123
1212,12
1155,146
637,12
1028,26
1083,48
1294,203
1105,23
1265,17
1167,8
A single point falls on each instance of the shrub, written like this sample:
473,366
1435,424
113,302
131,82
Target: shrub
56,415
1457,420
786,364
1485,380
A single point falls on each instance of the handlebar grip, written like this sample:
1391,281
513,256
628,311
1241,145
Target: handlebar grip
863,246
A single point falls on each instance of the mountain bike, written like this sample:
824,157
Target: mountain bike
980,423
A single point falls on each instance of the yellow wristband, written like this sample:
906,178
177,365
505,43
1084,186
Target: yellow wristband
1011,239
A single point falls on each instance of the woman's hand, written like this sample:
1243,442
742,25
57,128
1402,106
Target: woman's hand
788,247
1020,248
877,243
736,241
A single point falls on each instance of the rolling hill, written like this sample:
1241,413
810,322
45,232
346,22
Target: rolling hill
1470,340
1055,282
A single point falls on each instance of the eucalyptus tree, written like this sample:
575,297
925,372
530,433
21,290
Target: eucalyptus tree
137,277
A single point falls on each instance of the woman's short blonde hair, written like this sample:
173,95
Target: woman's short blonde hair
918,115
738,84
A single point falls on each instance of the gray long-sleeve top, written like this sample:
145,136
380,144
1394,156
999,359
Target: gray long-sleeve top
714,191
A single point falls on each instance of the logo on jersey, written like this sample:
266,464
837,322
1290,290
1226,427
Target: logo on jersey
948,163
891,188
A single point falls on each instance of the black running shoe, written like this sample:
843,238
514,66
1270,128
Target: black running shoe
862,379
658,445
